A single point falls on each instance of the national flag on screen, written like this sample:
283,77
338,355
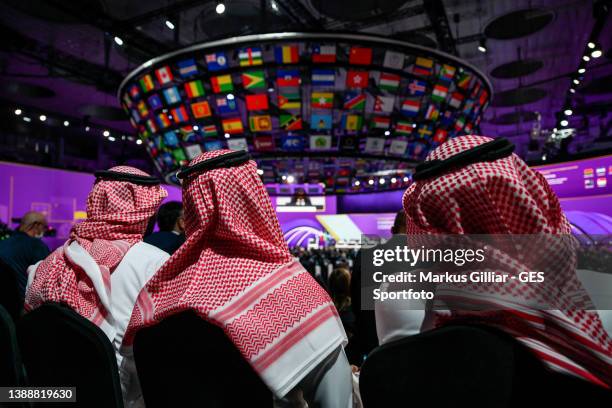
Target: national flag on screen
323,77
135,116
320,142
439,93
289,100
360,56
440,136
393,60
134,93
253,79
388,82
447,72
417,87
482,99
324,53
398,147
164,75
411,107
288,78
320,121
209,130
264,143
225,105
187,67
256,102
293,143
455,100
380,122
424,132
250,56
322,100
459,124
432,112
172,95
354,101
151,126
447,119
232,126
290,122
194,89
154,102
468,106
476,88
193,151
216,61
422,66
146,83
237,144
260,123
352,122
403,128
179,114
222,83
201,109
163,120
468,129
213,145
384,104
464,81
286,54
142,108
357,79
374,145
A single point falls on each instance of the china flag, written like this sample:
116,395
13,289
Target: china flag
257,102
357,79
360,56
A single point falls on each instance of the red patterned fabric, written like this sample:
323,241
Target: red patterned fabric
117,216
507,197
235,270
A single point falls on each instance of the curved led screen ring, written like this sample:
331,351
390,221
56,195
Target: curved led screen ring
338,109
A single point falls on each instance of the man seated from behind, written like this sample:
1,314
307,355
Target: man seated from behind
171,234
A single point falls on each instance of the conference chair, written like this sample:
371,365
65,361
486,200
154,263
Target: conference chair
465,366
61,348
11,369
185,361
10,297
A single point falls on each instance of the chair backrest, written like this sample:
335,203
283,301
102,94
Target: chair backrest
61,348
11,369
186,361
10,298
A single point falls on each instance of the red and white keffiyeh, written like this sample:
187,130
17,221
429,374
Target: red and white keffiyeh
235,270
117,216
507,197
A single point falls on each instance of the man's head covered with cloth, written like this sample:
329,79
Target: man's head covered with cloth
475,185
235,270
119,206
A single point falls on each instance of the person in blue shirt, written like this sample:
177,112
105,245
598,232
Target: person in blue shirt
171,234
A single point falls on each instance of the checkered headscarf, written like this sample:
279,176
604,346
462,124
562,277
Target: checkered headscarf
235,270
117,216
505,196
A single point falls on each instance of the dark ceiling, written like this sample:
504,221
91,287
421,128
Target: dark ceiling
60,57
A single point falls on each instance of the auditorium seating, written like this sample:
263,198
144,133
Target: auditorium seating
186,362
61,348
10,298
11,370
465,366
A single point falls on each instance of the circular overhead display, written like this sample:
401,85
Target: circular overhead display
416,38
30,90
43,10
103,112
345,107
358,9
518,96
516,69
514,118
518,24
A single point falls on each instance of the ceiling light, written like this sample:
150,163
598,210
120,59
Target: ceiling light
406,179
284,177
370,182
260,172
596,53
66,123
290,179
564,122
586,58
87,128
482,45
170,24
357,183
106,133
544,157
576,81
196,128
568,112
572,90
381,181
274,5
220,9
581,70
591,45
112,138
42,118
138,141
393,180
230,97
227,135
26,119
17,112
118,40
387,133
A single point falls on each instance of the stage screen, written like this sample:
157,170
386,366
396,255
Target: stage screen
580,178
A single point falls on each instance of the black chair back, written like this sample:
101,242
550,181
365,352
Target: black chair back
11,369
464,366
185,361
10,298
62,348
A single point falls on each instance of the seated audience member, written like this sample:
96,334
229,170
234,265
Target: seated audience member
24,247
235,270
171,234
108,247
340,290
492,191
